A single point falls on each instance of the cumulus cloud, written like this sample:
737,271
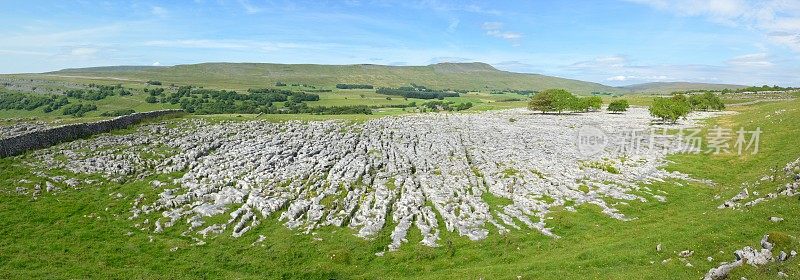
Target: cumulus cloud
156,63
495,29
777,20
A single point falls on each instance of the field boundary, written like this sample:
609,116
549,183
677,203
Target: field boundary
45,138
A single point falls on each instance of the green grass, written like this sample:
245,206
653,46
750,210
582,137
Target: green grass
51,238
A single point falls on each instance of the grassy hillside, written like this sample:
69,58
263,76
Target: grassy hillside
667,87
468,76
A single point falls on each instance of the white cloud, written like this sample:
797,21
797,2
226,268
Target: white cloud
452,59
19,52
495,29
83,51
748,69
249,8
156,63
492,25
603,62
447,6
777,20
244,45
622,78
751,60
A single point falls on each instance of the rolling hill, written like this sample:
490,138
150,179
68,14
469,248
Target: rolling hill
469,76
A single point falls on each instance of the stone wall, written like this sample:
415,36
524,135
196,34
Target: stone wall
45,138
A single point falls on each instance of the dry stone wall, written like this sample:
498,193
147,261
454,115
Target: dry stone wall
45,138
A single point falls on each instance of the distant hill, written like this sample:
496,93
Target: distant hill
667,87
469,76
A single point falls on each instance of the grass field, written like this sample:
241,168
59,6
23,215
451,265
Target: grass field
84,233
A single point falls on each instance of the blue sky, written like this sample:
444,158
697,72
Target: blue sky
610,42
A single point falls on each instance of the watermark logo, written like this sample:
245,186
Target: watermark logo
591,140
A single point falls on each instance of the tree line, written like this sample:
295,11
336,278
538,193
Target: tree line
354,86
418,92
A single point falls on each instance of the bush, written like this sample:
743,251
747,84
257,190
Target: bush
155,83
706,101
617,106
593,103
30,102
670,109
78,110
151,99
554,100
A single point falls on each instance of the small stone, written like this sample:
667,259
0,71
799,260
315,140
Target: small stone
685,254
765,244
658,247
782,275
710,259
783,256
776,219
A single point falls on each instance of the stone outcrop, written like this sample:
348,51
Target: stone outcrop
470,174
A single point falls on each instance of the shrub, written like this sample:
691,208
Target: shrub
618,106
706,101
670,109
78,110
554,100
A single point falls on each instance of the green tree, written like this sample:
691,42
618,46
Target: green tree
594,103
555,100
618,106
151,99
670,109
706,101
563,100
542,101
